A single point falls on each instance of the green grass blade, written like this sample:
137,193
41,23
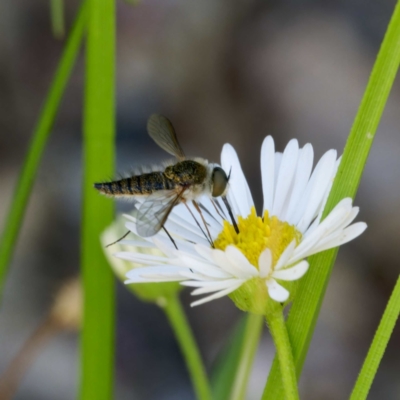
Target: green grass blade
305,309
57,18
98,280
378,346
40,135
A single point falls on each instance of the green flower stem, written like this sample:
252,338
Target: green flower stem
176,316
57,18
277,327
377,349
38,143
306,306
251,337
97,339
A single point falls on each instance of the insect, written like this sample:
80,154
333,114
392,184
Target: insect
162,190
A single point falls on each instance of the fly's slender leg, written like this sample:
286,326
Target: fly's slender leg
225,200
196,206
218,209
123,237
170,237
197,223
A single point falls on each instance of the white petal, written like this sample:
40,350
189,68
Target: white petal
320,183
303,172
326,227
222,261
129,217
182,245
164,247
303,204
195,276
265,263
238,186
323,203
276,291
215,286
277,163
216,295
141,258
345,236
285,176
292,273
267,171
136,243
160,273
237,258
209,283
351,216
184,231
285,256
204,252
203,267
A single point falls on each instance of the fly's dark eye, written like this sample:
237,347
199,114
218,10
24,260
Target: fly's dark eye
219,180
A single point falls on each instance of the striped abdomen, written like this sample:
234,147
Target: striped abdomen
136,185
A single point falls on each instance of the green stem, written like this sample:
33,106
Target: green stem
251,337
378,346
176,316
277,327
97,339
38,143
304,312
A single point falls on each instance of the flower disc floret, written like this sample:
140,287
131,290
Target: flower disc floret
256,234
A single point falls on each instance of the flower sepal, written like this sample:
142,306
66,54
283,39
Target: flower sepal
253,297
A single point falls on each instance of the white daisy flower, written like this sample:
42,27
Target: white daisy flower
260,260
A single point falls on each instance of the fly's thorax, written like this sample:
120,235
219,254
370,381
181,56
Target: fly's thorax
187,173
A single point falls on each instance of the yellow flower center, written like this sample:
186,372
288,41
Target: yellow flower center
256,234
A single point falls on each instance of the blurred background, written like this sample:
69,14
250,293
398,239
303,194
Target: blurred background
222,71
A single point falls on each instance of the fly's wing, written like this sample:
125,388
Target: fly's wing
153,212
163,133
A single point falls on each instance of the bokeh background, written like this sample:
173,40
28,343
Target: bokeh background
222,71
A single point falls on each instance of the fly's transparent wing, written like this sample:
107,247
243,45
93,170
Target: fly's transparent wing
163,133
153,212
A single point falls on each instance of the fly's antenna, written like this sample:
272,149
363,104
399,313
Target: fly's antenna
196,206
170,237
123,237
198,224
225,200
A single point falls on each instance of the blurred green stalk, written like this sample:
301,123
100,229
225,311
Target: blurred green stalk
57,18
177,319
97,342
305,309
378,347
40,135
244,364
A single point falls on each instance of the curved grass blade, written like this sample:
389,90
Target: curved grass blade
38,143
378,346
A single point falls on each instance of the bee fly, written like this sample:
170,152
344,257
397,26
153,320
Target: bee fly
162,190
